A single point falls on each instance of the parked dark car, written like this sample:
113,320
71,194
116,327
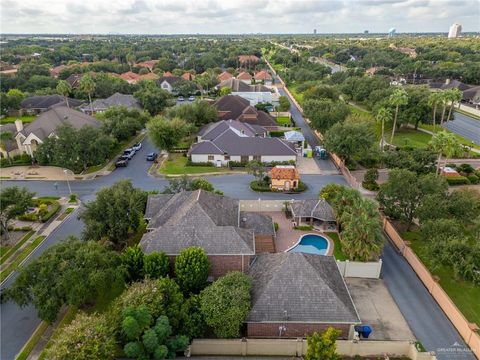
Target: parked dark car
152,156
121,163
124,157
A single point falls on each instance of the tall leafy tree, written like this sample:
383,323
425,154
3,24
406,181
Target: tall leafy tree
397,99
87,85
131,58
199,113
226,303
455,96
324,112
444,143
14,201
115,211
72,272
64,89
152,98
166,134
434,100
192,267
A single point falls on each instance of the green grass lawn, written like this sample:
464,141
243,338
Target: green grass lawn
6,252
11,119
176,164
463,293
283,121
337,250
460,138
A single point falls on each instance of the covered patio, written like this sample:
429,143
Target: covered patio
317,213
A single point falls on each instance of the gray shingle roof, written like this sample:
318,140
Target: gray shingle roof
319,209
44,102
48,121
196,218
259,223
216,129
116,99
298,287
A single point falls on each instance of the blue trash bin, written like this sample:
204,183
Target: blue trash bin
366,331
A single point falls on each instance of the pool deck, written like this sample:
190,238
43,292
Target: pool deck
287,236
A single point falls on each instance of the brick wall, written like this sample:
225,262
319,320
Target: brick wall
222,264
292,329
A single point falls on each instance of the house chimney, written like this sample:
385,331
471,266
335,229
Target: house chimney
447,81
19,125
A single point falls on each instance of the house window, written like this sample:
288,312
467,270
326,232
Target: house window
244,159
210,158
165,86
227,157
257,158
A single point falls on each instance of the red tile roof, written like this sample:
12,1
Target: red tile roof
284,172
244,76
263,75
224,76
248,58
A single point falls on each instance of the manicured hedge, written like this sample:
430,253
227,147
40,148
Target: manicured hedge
372,186
190,163
17,160
457,180
474,179
234,164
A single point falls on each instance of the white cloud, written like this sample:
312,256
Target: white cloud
235,16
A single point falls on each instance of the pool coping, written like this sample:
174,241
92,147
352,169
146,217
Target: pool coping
330,242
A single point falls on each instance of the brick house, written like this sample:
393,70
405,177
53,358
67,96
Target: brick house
284,177
294,294
213,222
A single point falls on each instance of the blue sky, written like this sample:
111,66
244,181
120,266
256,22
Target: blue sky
235,16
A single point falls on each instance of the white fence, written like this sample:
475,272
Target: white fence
298,347
366,270
262,205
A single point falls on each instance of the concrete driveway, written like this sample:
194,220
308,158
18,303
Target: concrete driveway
307,166
376,308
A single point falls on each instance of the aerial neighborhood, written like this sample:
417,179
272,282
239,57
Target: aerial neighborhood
280,195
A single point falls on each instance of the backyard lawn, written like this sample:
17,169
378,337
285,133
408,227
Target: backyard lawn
176,164
283,121
11,119
463,293
337,250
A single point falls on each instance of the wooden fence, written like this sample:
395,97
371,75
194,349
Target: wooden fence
467,330
298,347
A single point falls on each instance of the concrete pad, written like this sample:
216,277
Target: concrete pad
377,308
307,165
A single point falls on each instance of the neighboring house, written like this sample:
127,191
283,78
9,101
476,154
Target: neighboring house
294,294
224,76
8,69
167,74
133,78
212,222
448,172
117,99
188,77
237,108
263,77
149,64
314,212
245,77
232,140
255,94
28,137
38,104
472,95
55,71
284,178
167,82
74,79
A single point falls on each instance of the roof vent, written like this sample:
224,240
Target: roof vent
65,117
285,315
244,219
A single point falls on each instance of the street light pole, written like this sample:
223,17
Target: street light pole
68,182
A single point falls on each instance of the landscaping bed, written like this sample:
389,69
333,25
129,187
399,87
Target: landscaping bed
283,121
11,119
262,186
45,209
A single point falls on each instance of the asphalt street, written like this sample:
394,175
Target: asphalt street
18,324
465,126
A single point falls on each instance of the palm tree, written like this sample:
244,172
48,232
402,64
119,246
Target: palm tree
444,143
455,96
87,85
64,89
398,98
131,60
444,100
434,99
383,115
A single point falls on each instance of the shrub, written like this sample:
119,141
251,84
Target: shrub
87,337
370,186
73,198
284,104
276,226
277,133
156,265
226,303
260,186
466,169
474,179
132,261
54,207
191,269
303,227
322,346
457,180
190,163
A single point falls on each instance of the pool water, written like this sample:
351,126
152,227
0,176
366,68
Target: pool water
311,244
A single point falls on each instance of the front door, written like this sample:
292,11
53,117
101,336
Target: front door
287,185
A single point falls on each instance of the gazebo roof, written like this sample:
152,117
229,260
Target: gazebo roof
294,136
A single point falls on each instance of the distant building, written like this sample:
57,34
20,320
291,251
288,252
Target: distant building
392,32
455,31
314,31
365,32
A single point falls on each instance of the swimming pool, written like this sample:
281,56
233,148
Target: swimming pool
311,244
